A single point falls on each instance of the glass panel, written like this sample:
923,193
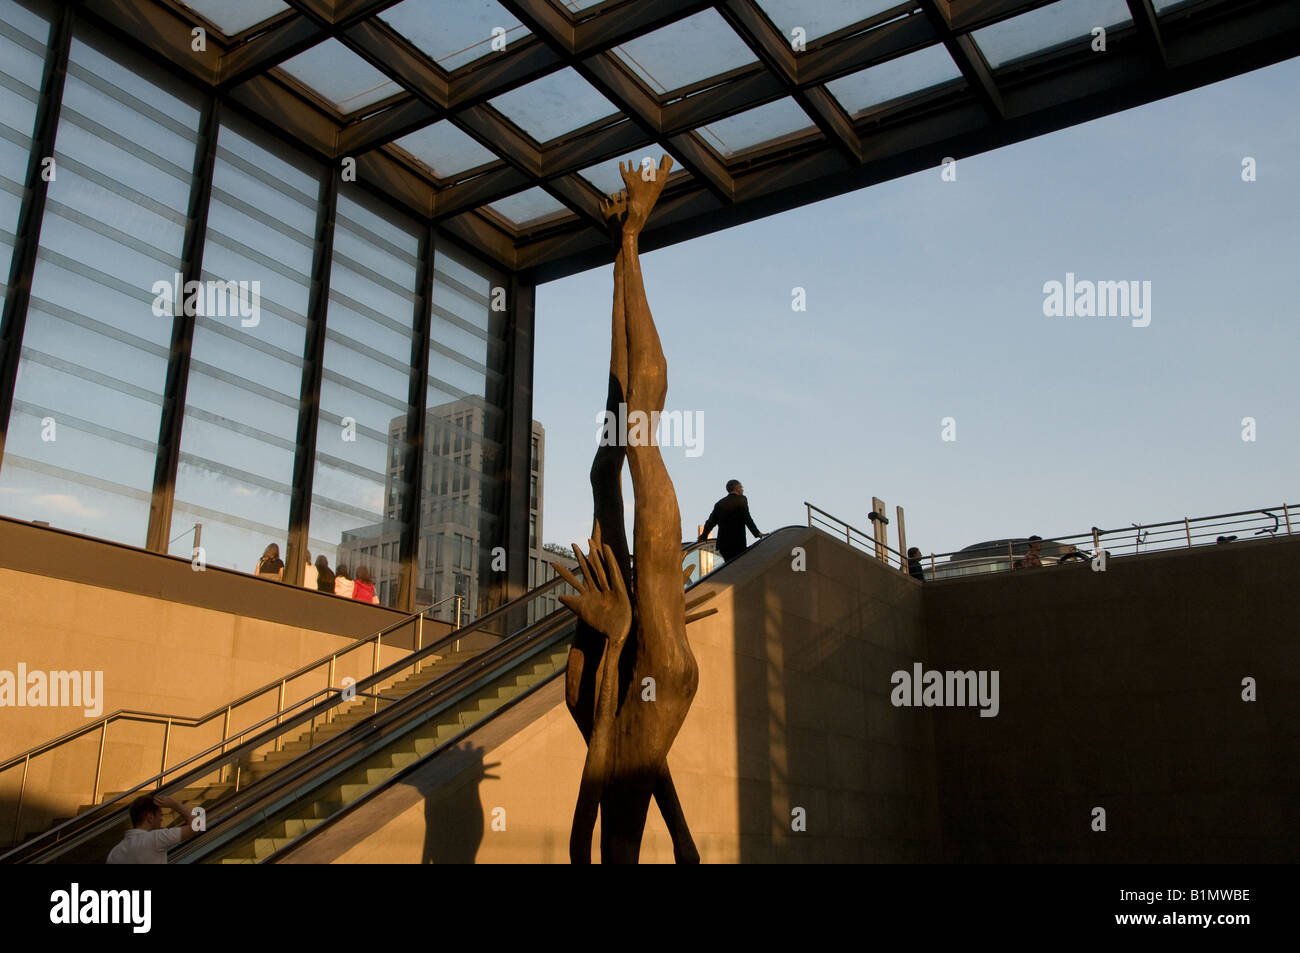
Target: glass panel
1047,27
731,135
82,439
1163,6
606,177
685,52
579,6
234,16
445,149
822,16
899,77
23,37
464,434
358,489
553,105
453,33
241,408
340,77
532,205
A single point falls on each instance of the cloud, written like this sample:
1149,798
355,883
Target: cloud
67,505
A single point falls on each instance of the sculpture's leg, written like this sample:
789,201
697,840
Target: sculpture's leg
602,602
585,663
662,651
580,688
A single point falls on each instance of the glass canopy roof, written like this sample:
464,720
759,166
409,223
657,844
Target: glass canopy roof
685,52
821,17
453,33
340,77
553,105
504,120
235,16
1049,26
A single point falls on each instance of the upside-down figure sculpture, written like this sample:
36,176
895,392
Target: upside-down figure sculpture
632,624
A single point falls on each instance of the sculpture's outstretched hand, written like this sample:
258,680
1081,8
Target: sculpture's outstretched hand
602,600
643,188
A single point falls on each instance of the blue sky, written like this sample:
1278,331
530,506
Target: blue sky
925,301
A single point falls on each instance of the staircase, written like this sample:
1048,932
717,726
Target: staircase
236,778
324,801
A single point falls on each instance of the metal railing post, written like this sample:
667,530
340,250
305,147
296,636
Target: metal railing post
167,737
1096,541
225,735
99,762
1011,556
330,685
374,668
932,566
22,788
456,647
1187,528
419,639
279,707
1287,517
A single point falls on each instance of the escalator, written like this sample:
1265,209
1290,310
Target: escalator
270,792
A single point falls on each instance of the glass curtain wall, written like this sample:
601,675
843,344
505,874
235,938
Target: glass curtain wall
81,447
23,38
464,433
239,433
82,436
358,487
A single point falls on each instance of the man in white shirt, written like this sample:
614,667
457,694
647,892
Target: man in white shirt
147,841
309,574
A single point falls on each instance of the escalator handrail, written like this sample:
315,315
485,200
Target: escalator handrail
91,822
336,755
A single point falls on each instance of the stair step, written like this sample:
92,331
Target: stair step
266,846
403,759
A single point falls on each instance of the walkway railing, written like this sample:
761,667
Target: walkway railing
1134,539
496,625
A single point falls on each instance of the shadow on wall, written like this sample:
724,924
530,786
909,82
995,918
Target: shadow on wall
829,771
453,813
38,814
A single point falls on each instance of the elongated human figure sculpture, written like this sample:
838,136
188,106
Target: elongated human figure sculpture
632,626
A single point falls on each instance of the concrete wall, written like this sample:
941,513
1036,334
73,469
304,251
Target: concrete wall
150,624
1123,690
792,712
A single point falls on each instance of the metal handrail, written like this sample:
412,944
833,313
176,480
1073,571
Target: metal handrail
849,530
485,667
413,658
1141,537
1145,537
103,813
394,721
193,721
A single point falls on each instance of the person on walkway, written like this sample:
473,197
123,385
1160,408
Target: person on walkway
147,841
363,588
309,578
324,575
914,568
731,516
270,565
1033,558
343,582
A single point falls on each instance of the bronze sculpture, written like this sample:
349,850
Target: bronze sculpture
632,624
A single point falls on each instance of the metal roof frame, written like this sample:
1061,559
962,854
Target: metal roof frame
1190,45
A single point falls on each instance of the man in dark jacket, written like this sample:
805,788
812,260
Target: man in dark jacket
731,516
